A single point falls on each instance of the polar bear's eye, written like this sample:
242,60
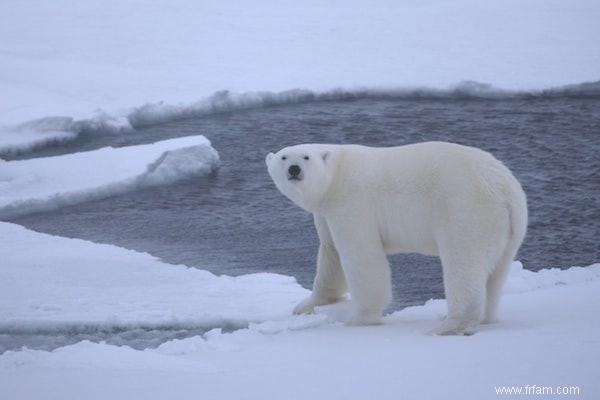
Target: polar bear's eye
306,158
283,158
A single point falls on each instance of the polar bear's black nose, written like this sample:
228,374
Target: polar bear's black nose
294,170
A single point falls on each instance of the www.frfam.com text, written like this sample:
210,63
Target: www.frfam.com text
535,389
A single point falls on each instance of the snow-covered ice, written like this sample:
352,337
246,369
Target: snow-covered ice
51,282
42,184
548,335
76,59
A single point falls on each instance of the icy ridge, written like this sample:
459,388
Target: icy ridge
36,134
49,183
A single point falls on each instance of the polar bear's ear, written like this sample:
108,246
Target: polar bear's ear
325,155
269,157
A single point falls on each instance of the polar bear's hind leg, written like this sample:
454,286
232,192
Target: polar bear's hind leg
465,287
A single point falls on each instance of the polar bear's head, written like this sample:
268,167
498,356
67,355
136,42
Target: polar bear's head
302,173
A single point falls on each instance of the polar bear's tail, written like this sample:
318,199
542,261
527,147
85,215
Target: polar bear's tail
518,217
516,203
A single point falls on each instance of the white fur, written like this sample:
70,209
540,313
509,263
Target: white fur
434,198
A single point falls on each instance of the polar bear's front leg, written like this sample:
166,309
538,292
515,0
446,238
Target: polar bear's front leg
369,279
330,283
366,268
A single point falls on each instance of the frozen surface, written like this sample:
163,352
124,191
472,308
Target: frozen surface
83,60
548,335
46,183
52,283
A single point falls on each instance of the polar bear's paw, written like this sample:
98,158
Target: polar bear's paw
452,327
306,306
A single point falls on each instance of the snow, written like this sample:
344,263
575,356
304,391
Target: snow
548,334
69,66
70,282
81,60
48,183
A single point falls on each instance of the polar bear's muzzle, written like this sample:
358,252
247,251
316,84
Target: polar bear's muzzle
294,173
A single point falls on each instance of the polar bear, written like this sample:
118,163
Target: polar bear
433,198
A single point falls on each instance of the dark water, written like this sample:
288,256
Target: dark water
236,221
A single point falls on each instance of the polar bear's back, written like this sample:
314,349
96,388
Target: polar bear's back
419,185
423,167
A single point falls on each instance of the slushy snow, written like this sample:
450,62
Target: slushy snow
69,66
